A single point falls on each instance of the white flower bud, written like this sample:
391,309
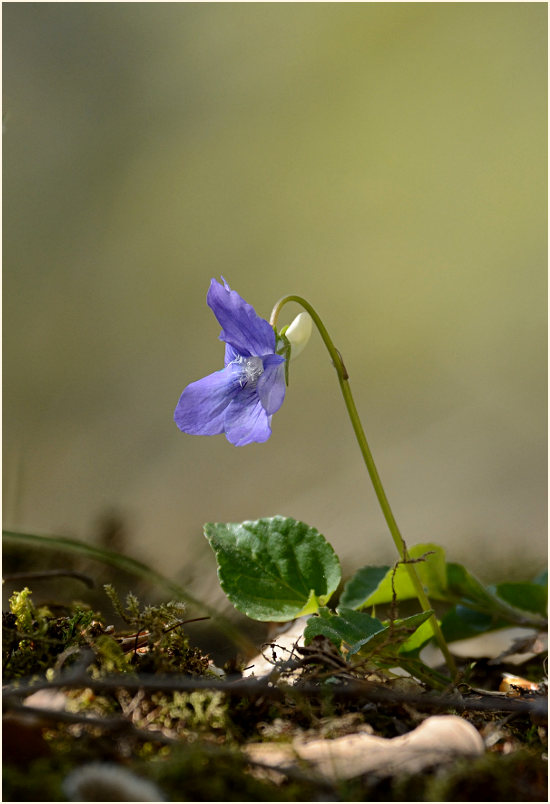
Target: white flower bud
299,333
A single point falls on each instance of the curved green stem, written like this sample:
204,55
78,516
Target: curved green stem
343,379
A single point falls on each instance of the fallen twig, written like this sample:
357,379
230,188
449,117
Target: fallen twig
367,691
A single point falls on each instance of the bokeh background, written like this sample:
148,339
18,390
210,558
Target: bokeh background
385,160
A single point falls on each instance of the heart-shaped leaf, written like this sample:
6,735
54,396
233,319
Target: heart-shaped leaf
274,569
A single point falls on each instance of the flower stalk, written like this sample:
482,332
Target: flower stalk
399,542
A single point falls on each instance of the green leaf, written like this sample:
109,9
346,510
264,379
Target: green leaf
414,644
358,631
526,596
462,622
353,628
400,644
397,635
464,585
415,667
466,588
431,572
382,643
274,569
489,608
362,585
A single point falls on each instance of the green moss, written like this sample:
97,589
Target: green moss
22,609
110,656
34,640
519,776
167,649
39,780
183,713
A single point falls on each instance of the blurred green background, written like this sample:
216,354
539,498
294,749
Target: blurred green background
385,160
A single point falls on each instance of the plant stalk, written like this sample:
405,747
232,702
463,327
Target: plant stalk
399,542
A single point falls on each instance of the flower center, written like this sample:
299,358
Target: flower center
251,370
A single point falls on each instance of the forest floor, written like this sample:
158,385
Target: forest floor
98,713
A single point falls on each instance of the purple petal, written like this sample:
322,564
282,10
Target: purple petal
271,385
202,405
246,420
241,326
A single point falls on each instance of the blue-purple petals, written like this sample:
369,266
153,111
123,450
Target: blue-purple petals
240,399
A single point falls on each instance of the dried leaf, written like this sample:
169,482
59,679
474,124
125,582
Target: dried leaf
438,739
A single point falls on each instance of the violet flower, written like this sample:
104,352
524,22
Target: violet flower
240,399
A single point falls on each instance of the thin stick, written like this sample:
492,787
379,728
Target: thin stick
255,688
